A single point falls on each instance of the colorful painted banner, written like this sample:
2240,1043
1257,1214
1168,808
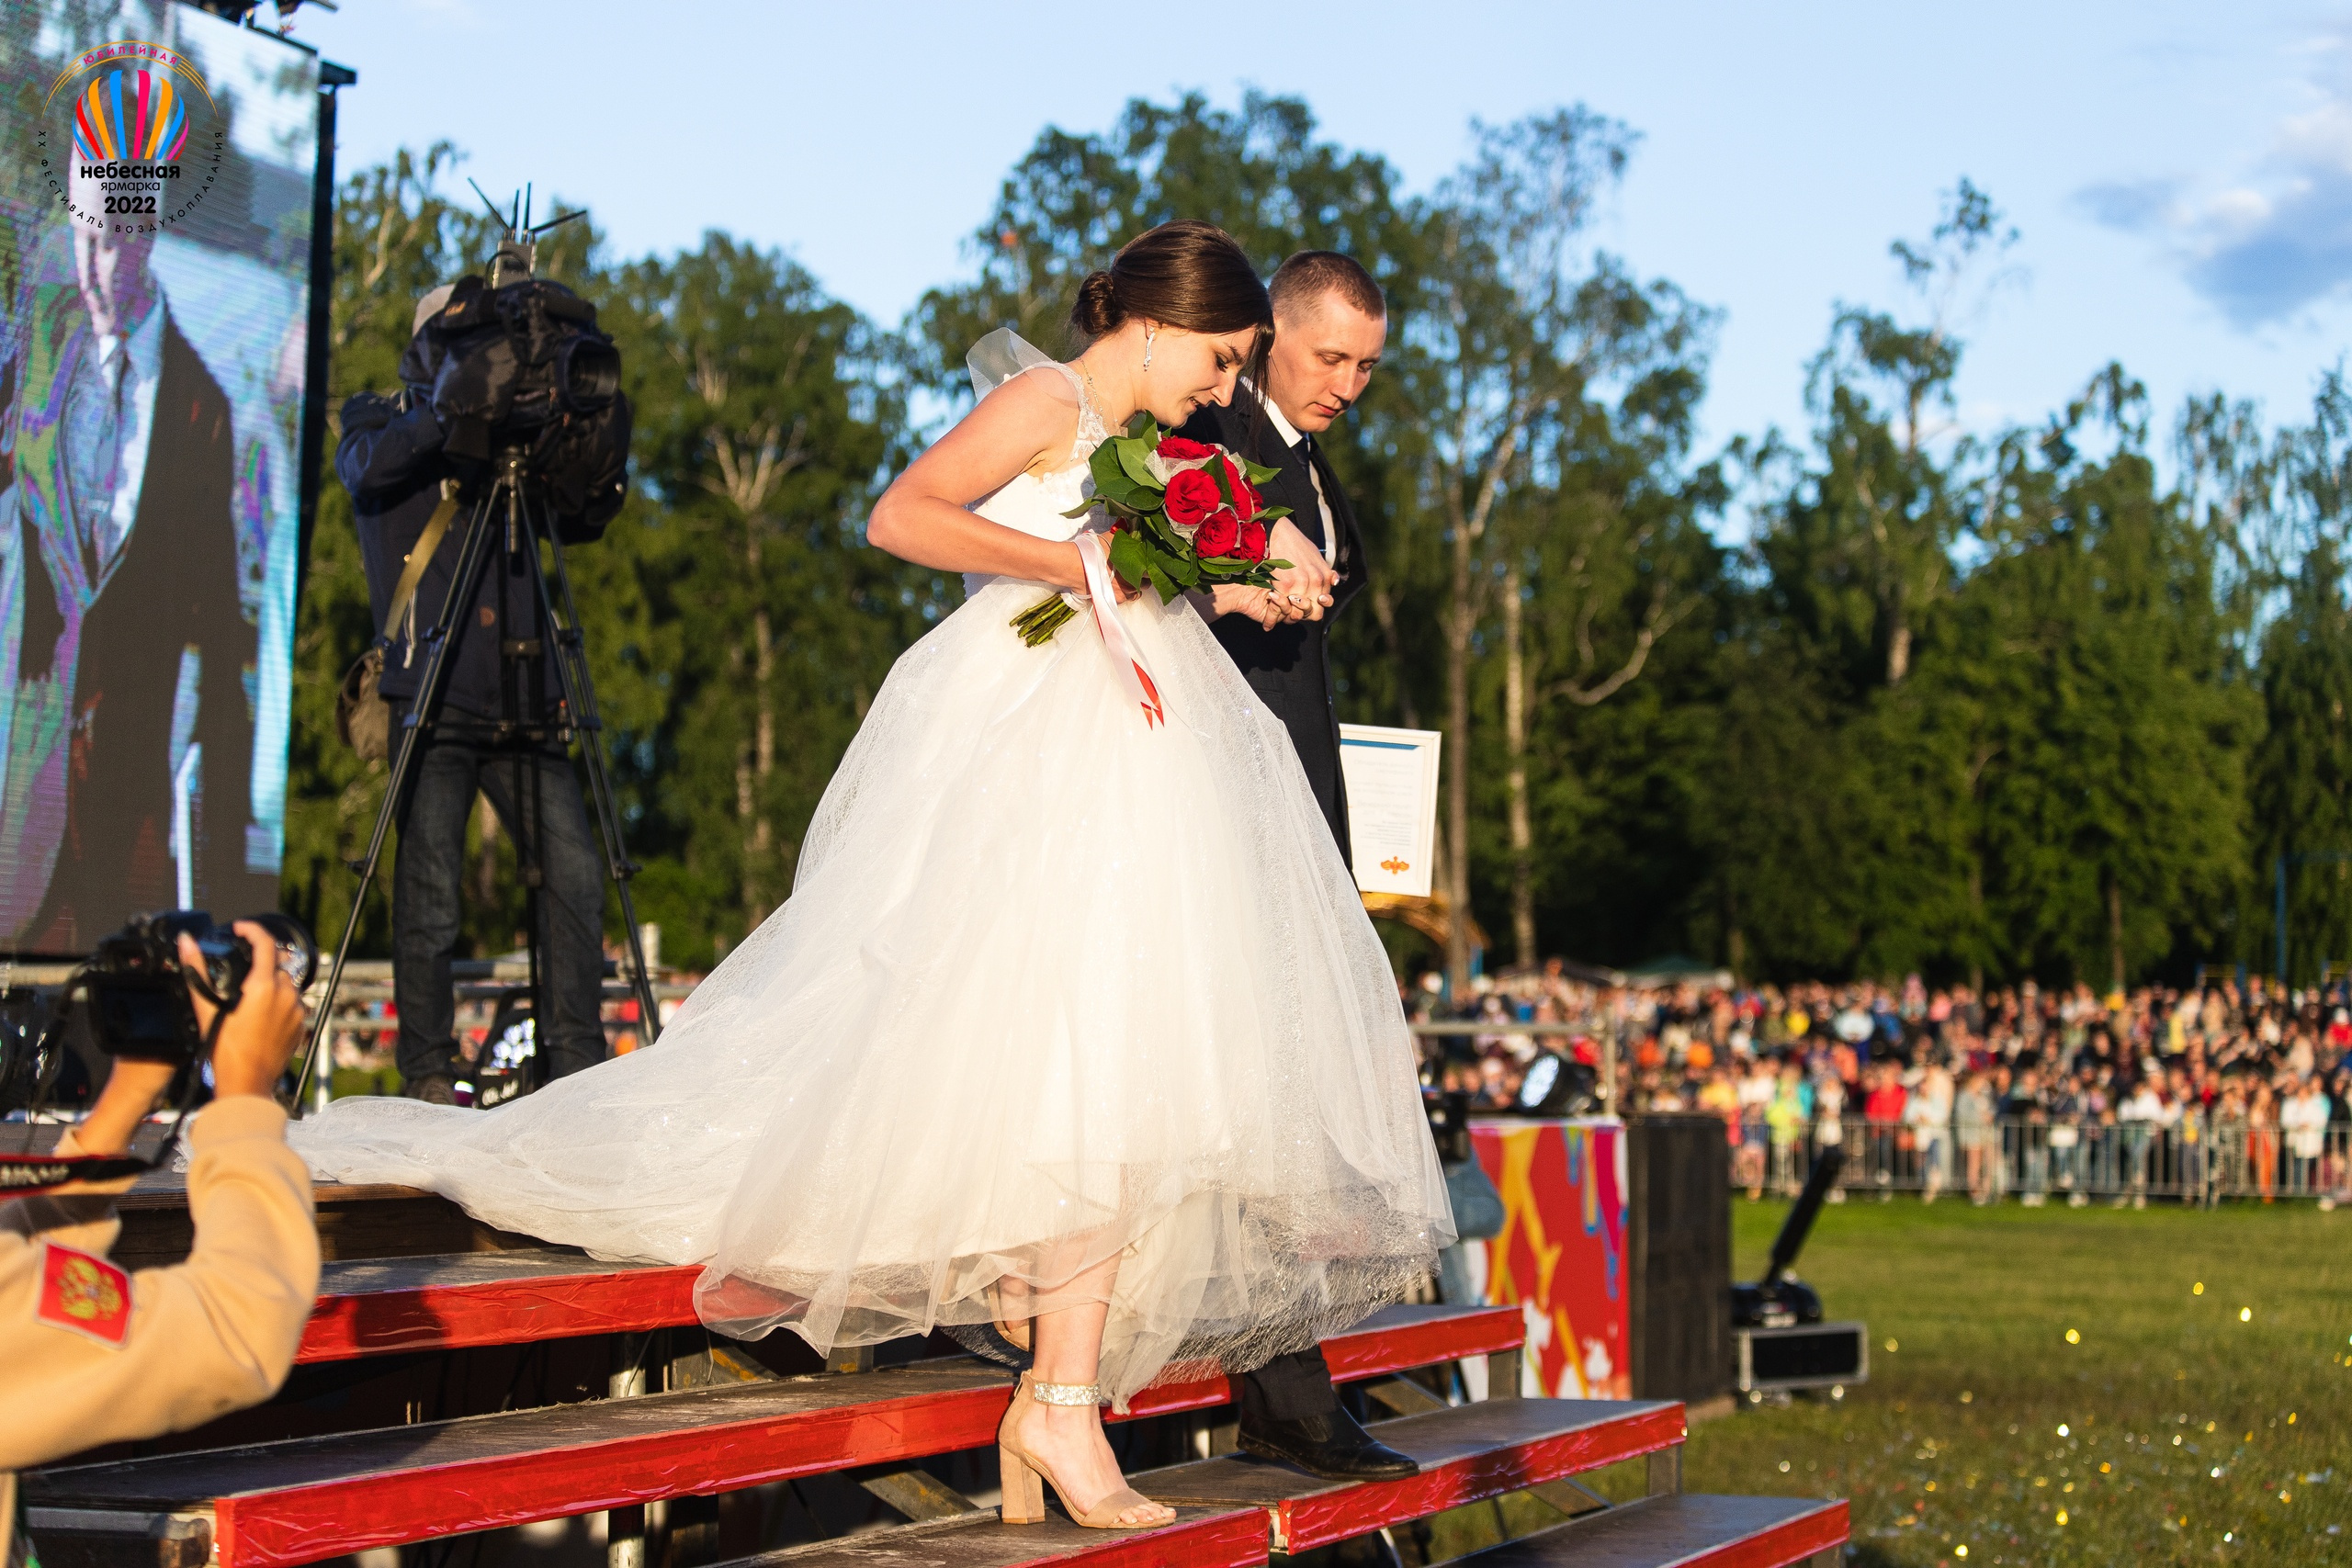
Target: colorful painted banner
1560,1256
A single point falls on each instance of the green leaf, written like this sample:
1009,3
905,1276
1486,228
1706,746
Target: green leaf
1111,480
1257,473
1272,515
1132,454
1167,586
1127,558
1164,534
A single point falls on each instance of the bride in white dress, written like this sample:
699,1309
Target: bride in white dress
1073,1032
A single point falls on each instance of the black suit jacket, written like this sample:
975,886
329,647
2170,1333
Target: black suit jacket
1290,667
174,589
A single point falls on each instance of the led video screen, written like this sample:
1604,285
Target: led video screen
155,249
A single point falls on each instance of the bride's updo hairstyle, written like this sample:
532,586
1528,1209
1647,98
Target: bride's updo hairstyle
1187,274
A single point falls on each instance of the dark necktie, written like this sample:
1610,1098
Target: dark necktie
1313,524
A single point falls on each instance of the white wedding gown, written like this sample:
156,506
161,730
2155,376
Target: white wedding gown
1053,986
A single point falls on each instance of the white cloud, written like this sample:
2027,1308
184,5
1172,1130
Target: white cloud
2275,240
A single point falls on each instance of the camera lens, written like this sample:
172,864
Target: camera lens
587,374
298,955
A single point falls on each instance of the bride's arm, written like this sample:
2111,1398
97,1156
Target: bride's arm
921,517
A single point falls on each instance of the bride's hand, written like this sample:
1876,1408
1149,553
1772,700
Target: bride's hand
1259,605
1077,583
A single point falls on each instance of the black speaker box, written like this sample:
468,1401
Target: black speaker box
1677,1245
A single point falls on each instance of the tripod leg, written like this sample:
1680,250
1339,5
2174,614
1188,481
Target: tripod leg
580,698
524,697
473,554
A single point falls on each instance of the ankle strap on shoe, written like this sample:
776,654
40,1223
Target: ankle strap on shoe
1064,1393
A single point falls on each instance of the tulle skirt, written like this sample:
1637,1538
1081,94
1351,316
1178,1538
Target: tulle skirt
1053,987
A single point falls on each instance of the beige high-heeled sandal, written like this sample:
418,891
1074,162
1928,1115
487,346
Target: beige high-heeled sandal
1025,1479
1014,1332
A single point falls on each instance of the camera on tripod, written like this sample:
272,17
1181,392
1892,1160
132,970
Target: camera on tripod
522,371
527,447
138,984
521,357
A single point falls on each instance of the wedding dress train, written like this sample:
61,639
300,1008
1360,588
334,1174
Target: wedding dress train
1053,986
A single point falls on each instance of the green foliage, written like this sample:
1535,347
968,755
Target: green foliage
1074,200
1988,705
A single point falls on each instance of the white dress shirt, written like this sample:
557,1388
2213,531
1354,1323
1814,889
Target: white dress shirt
1291,438
142,375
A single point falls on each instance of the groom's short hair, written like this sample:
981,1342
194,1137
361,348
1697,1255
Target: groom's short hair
1301,282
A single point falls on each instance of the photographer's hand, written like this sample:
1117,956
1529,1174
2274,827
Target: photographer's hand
261,1030
133,1089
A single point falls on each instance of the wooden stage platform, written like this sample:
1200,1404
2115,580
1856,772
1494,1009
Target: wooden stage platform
455,1378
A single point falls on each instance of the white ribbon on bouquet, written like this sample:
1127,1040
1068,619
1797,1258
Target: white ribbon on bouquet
1102,593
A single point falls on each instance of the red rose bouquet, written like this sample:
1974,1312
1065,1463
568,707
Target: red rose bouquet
1184,515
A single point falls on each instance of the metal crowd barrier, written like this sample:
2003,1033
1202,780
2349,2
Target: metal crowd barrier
2041,1162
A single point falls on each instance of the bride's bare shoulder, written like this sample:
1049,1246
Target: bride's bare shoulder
1035,411
1026,424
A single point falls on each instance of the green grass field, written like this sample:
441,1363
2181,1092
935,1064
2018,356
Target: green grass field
2052,1387
2070,1386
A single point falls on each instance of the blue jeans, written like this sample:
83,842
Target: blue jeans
425,888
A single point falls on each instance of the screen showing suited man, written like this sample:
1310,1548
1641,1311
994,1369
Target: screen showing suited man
150,406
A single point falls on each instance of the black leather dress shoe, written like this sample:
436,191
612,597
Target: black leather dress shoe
1331,1445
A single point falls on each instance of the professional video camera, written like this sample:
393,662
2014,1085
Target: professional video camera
519,357
517,362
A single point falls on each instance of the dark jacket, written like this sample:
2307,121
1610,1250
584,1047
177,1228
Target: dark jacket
391,459
1290,667
173,591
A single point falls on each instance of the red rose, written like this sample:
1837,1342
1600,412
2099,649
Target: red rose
1192,495
1176,449
1245,496
1252,547
1220,531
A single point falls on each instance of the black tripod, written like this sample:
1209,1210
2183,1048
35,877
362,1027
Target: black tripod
510,520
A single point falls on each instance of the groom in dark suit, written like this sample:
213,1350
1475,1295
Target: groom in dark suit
1330,324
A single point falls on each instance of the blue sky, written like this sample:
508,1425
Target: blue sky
2181,173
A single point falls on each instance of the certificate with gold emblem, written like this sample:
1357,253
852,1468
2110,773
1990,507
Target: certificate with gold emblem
1392,805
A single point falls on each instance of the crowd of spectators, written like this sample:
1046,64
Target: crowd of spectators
2228,1086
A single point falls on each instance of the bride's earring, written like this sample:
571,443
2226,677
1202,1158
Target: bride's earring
1149,333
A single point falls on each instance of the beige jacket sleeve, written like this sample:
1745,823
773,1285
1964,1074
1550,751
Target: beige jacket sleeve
211,1334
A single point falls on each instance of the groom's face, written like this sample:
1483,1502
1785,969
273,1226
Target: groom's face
1322,359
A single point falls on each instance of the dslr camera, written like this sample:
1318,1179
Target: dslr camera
137,985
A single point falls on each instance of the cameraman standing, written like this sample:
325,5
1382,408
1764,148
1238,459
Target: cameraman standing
502,729
91,1353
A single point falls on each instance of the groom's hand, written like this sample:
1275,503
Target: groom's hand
1259,605
1304,587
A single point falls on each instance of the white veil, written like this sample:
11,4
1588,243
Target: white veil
1000,356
